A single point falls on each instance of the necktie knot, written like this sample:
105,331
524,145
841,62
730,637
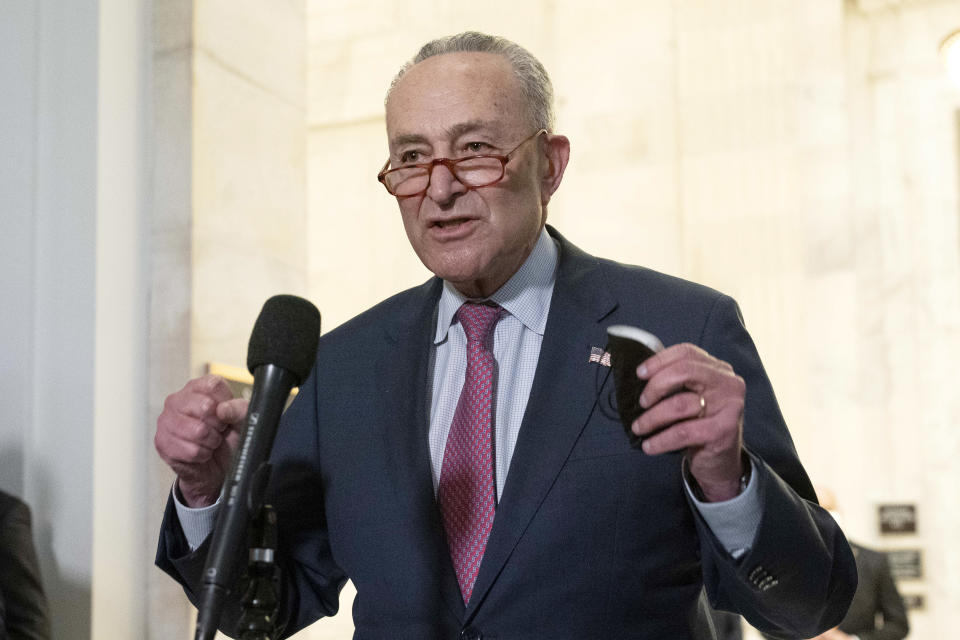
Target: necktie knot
478,320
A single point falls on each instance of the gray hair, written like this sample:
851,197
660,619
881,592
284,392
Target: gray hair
534,81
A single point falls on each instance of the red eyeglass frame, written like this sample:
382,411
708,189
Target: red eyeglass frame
450,164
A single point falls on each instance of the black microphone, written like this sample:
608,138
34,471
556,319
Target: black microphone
282,351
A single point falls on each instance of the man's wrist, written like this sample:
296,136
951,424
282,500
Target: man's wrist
196,523
720,492
192,498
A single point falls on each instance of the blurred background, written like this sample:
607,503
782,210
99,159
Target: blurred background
167,165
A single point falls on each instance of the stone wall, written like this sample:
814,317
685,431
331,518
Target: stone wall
228,201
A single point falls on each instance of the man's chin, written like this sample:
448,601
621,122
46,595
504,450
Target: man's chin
453,264
466,282
459,280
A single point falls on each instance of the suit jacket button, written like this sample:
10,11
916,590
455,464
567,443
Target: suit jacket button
470,634
758,575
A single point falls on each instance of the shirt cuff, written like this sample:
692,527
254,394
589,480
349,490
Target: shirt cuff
734,522
195,523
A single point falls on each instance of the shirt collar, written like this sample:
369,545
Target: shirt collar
526,295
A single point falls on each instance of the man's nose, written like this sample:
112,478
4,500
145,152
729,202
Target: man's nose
444,186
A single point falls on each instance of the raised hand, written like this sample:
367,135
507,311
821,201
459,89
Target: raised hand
197,433
694,403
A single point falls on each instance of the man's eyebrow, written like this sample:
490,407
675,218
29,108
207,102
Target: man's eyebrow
408,138
453,132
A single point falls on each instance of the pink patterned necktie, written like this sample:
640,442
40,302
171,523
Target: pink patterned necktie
465,492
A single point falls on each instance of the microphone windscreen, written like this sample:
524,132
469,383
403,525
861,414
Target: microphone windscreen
285,335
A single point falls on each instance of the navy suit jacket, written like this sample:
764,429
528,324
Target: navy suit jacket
591,539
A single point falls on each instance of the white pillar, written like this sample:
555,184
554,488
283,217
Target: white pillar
73,442
122,430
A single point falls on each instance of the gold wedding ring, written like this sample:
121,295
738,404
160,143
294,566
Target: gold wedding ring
703,407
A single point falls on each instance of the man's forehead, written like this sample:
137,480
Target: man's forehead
452,94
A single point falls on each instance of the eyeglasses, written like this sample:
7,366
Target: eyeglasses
472,172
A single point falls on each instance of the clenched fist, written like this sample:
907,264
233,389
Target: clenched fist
197,433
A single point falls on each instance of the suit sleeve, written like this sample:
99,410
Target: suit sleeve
890,604
799,576
310,580
23,606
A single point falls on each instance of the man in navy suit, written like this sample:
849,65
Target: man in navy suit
587,536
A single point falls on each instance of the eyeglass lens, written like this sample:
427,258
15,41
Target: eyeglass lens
471,172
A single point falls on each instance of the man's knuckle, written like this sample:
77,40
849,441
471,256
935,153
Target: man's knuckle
740,384
681,432
199,431
159,444
208,382
197,454
691,350
737,404
678,404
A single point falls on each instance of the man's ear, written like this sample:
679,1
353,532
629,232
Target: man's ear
556,148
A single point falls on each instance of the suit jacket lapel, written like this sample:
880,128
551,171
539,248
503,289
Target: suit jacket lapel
406,423
553,420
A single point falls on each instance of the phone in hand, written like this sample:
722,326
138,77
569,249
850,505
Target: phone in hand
628,346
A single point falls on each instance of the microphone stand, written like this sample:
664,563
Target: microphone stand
260,602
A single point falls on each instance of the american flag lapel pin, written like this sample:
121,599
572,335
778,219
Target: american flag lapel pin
599,356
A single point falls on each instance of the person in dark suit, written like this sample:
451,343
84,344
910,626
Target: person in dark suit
877,611
23,606
454,452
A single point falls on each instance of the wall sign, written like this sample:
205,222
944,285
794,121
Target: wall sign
905,564
897,518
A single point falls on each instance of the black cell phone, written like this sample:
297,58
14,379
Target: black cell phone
628,347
